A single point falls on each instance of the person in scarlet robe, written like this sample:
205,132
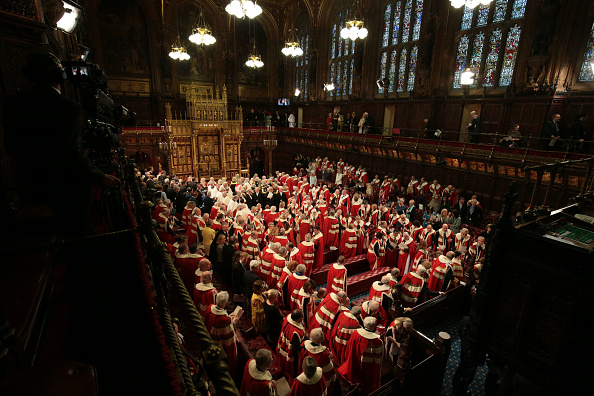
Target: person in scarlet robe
295,283
435,188
186,262
165,231
331,228
442,240
282,285
346,322
411,286
221,327
306,255
406,247
381,292
392,248
454,273
348,241
427,235
204,293
318,240
361,232
439,268
420,254
257,380
321,354
376,252
311,381
203,266
423,188
463,240
344,202
278,264
375,309
306,298
363,358
249,243
337,275
187,214
326,313
266,265
197,223
289,345
478,248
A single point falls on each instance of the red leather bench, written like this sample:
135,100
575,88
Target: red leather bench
361,283
354,266
330,256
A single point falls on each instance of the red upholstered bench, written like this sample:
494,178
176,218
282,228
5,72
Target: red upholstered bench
330,256
354,266
361,283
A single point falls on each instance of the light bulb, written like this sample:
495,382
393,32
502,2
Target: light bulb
457,3
298,51
344,33
363,33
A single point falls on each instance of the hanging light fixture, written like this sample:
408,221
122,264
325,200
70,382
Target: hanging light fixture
178,51
468,3
354,27
467,77
254,60
201,34
292,47
242,8
329,87
297,92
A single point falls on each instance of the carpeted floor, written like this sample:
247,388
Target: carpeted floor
477,388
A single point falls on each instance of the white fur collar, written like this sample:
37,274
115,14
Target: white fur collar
218,311
367,334
257,374
380,287
298,325
315,349
313,380
339,266
204,287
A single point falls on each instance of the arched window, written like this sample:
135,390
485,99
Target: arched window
586,69
341,56
302,62
399,47
488,42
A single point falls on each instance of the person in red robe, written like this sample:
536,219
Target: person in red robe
321,354
282,285
186,262
420,254
376,252
346,322
289,345
337,276
361,232
257,380
438,271
204,293
375,309
266,266
411,286
221,327
295,283
380,290
331,228
407,245
443,239
392,248
478,248
304,227
306,255
326,313
278,264
197,223
348,242
463,241
363,358
311,381
318,240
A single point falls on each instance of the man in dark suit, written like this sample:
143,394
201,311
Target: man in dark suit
207,202
474,128
551,135
462,209
249,198
43,130
228,252
475,213
249,277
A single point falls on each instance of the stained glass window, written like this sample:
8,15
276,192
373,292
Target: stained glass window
387,18
509,56
306,49
418,17
346,47
392,73
340,41
333,54
483,14
353,47
401,70
466,18
518,9
460,60
500,10
411,68
351,74
406,21
306,83
492,58
586,70
396,23
477,53
383,61
345,76
337,83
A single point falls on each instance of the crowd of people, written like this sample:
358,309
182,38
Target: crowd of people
267,118
265,236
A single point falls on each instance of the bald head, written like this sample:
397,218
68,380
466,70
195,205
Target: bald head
373,307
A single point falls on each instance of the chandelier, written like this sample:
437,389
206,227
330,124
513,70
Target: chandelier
254,60
468,3
201,34
241,8
178,51
329,87
354,29
467,77
292,47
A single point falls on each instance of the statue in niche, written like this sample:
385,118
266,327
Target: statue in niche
547,17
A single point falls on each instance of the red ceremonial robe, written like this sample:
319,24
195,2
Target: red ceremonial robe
381,317
348,243
363,360
326,313
306,255
376,253
303,386
323,358
255,382
204,296
341,332
266,266
278,264
404,256
337,276
296,282
284,348
331,228
304,229
412,283
221,329
438,272
318,241
186,265
377,291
